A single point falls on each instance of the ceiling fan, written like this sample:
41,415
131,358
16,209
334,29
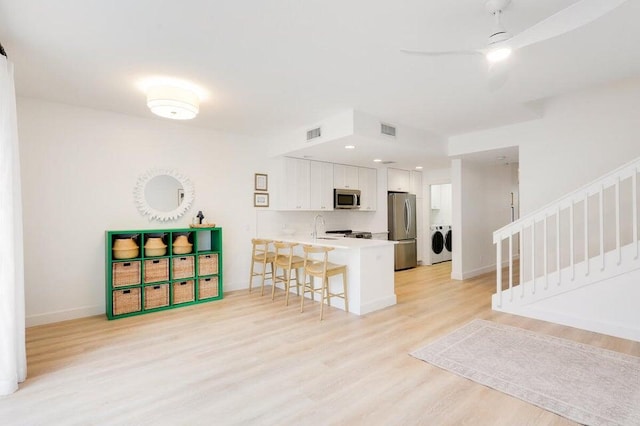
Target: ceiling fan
501,44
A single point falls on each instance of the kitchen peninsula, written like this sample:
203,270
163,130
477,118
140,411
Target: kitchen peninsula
370,269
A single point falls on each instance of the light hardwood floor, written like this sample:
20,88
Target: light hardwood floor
247,360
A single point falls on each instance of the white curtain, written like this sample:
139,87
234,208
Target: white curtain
13,359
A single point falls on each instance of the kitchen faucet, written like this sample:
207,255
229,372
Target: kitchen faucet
315,225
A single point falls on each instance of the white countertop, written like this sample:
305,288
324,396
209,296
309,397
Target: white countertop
330,241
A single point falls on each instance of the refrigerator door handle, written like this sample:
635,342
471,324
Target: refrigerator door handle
407,216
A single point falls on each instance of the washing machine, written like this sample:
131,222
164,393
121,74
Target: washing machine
446,253
437,244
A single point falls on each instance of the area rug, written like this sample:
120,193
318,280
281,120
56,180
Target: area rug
583,383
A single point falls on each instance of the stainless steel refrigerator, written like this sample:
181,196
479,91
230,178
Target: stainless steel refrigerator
402,228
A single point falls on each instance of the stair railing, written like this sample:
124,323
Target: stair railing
552,211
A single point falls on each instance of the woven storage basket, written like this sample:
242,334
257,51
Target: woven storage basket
156,270
125,273
183,292
183,267
207,288
125,301
156,296
208,264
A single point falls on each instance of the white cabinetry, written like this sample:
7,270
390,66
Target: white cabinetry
368,185
436,197
416,183
295,188
398,180
321,187
345,177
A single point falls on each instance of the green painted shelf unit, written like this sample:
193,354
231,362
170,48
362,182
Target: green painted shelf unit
145,283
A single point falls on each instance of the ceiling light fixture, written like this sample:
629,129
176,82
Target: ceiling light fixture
173,102
498,53
349,147
418,167
377,160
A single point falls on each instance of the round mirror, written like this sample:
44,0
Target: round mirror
163,194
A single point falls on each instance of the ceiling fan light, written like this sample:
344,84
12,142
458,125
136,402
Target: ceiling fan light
173,102
498,54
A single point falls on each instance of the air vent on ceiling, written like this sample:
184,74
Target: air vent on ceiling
388,162
314,133
385,129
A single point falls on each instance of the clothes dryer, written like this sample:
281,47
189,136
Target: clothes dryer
437,244
446,253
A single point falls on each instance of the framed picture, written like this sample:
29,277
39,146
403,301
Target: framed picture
260,199
261,182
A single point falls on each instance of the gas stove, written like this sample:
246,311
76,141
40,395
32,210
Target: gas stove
348,233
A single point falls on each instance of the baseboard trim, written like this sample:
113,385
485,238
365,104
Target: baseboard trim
602,327
377,304
63,315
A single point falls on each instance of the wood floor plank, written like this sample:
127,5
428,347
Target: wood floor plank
247,360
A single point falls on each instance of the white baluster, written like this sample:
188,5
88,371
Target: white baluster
533,257
499,271
634,196
618,249
546,278
521,268
601,208
511,267
586,233
558,242
573,266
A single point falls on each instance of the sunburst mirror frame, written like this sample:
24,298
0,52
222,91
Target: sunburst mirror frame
154,214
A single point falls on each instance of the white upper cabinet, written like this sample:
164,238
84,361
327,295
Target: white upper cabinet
416,183
296,185
436,197
368,181
398,180
345,177
321,185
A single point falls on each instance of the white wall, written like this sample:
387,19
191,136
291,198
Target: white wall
580,137
79,168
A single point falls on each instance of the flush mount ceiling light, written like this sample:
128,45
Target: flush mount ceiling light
377,160
173,102
349,147
171,97
418,167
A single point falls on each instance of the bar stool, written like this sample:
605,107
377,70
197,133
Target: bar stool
261,255
316,264
288,262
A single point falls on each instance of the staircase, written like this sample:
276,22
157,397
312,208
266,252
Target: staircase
576,261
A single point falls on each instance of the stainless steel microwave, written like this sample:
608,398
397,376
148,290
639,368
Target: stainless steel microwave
346,198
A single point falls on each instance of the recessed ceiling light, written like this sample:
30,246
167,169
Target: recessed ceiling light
377,160
349,147
418,167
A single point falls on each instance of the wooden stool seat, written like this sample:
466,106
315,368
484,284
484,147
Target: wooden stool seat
287,262
316,264
261,255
